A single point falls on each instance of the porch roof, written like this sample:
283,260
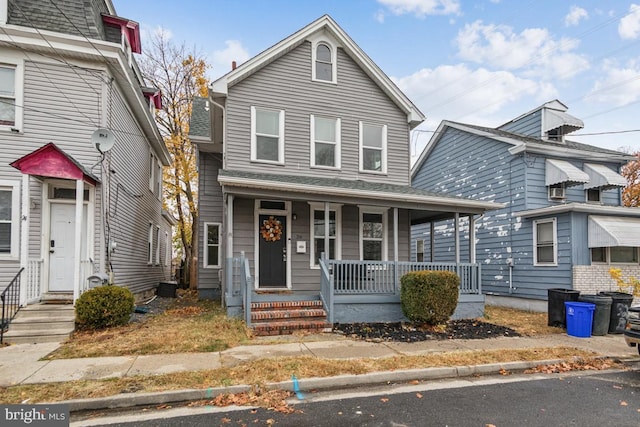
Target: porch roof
424,205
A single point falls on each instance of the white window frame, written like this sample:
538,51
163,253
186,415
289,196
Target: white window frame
555,242
419,242
385,221
205,260
336,143
158,179
152,171
17,64
4,10
586,195
609,261
383,149
14,187
150,244
334,59
254,139
337,208
157,239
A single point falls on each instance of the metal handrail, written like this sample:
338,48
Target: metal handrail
10,298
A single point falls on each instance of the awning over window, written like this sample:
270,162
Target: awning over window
600,176
561,171
554,119
608,231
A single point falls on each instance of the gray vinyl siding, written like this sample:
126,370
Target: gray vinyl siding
529,125
286,84
133,204
210,210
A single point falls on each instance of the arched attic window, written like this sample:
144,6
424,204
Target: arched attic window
324,59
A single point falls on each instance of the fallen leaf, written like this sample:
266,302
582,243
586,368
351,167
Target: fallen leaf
623,403
384,399
414,382
225,420
618,387
419,396
504,372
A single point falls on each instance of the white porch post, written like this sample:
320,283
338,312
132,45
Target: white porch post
472,239
432,241
24,238
229,230
395,234
326,230
456,228
78,239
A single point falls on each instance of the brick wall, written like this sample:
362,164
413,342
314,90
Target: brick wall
591,279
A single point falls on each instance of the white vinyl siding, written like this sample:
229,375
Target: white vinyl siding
212,245
9,219
545,242
325,142
267,135
373,147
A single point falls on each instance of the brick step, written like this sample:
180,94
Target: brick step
308,314
286,328
285,305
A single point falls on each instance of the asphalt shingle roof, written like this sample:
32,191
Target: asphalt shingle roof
200,121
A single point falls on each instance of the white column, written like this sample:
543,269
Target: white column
472,239
432,241
326,230
395,234
24,238
229,226
77,251
456,228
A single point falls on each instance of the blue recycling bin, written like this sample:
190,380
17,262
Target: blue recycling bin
579,318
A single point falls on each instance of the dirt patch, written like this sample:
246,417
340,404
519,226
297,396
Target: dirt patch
407,332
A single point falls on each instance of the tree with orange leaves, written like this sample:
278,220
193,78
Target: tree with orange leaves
179,73
631,193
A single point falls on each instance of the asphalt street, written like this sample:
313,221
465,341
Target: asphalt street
587,398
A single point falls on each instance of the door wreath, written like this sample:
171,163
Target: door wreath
271,229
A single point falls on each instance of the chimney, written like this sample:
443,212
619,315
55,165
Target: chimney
233,65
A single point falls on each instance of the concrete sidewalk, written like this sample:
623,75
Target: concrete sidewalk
22,364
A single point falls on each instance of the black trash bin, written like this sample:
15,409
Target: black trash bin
555,305
620,303
602,315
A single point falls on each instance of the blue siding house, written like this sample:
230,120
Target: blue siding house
563,224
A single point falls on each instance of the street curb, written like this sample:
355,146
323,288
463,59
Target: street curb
305,384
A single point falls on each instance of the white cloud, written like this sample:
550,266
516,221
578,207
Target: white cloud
221,59
533,51
629,27
575,15
422,8
379,16
619,86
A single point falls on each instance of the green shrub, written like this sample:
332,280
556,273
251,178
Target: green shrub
429,296
104,307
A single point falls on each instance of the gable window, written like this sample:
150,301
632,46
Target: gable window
325,142
545,242
318,232
373,234
9,219
212,245
267,135
593,195
150,244
373,147
11,96
323,61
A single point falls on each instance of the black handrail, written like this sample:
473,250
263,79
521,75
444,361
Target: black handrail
10,303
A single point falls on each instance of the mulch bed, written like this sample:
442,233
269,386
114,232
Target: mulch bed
408,332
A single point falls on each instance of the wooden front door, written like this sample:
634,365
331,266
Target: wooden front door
272,249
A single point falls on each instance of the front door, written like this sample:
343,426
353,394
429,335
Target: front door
61,247
272,251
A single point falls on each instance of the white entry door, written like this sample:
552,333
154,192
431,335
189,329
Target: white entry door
61,250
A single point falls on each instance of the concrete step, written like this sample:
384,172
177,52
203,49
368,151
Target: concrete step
37,336
41,323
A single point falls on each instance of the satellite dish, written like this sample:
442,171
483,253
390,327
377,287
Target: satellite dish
103,140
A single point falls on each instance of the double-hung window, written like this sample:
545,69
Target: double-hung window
373,245
267,135
325,142
373,147
9,218
212,245
11,96
318,232
545,241
150,244
157,240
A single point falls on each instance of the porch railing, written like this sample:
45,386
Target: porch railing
10,299
383,277
326,290
246,282
34,280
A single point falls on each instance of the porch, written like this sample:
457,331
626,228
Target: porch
353,291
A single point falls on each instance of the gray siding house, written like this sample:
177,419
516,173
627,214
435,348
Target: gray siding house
562,226
71,206
304,151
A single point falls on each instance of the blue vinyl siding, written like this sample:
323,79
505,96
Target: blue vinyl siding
529,125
